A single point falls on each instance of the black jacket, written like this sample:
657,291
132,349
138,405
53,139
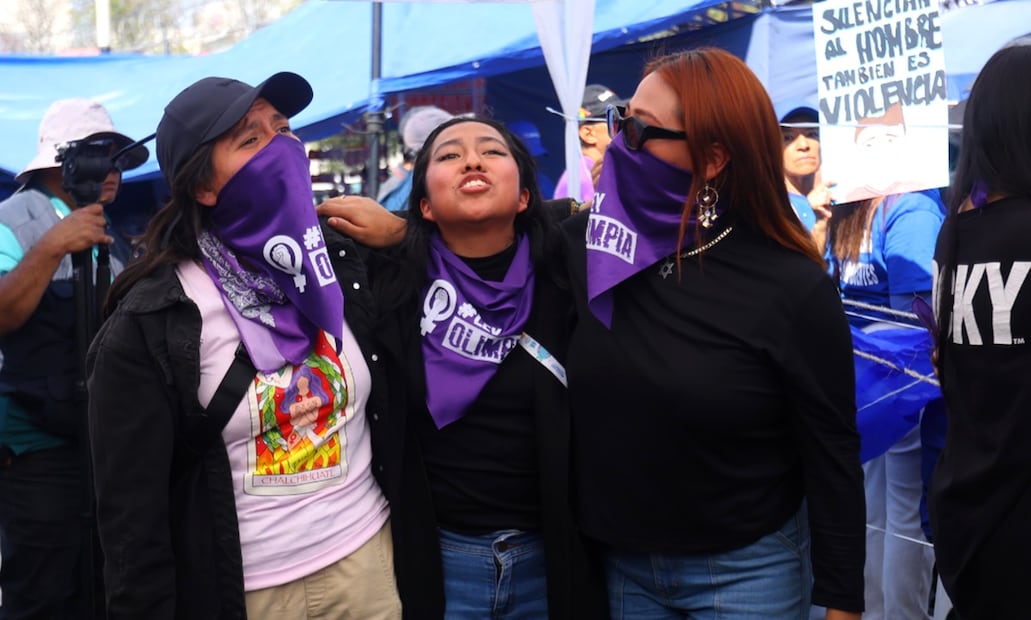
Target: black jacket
165,502
574,578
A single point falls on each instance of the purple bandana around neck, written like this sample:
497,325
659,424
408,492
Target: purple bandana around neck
634,220
469,326
266,254
979,194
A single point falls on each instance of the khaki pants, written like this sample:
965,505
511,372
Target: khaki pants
359,587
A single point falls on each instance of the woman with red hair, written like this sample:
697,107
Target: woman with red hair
715,451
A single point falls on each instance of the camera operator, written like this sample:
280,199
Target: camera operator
42,478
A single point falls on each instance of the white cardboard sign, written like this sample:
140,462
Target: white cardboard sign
883,102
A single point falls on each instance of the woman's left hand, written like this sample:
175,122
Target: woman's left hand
820,199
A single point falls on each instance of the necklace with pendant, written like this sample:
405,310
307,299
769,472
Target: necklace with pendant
670,262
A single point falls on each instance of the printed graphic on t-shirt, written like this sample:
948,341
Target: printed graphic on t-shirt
298,416
860,273
1003,288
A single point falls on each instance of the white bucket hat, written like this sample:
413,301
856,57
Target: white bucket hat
419,122
77,119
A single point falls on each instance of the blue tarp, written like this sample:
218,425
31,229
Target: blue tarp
429,44
328,42
889,400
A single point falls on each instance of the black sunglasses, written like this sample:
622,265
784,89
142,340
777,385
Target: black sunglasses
635,131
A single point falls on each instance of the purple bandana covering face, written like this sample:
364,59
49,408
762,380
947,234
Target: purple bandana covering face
634,221
266,254
469,326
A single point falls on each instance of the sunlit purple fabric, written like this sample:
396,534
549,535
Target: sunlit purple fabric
266,253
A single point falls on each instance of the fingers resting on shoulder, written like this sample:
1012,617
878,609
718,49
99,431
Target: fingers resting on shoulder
364,220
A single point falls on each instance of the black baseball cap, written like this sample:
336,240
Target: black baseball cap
597,98
211,106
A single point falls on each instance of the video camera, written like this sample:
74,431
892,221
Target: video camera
84,166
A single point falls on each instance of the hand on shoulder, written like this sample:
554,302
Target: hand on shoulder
364,220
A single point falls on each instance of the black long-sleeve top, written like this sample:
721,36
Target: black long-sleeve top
719,400
980,496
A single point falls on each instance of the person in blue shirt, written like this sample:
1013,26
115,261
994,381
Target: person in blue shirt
808,192
42,480
881,251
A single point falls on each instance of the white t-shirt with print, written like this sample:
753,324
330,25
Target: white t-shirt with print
301,462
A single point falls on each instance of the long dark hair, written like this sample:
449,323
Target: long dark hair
851,224
722,102
412,255
171,235
994,156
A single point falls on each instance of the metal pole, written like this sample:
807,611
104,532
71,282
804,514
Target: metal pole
374,118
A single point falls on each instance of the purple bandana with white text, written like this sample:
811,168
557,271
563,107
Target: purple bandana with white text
265,252
634,221
469,326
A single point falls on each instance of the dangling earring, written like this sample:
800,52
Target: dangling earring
707,199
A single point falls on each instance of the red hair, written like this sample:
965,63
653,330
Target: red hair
722,102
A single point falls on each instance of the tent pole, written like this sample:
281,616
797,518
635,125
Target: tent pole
103,13
374,118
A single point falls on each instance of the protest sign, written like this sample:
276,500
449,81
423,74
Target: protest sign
883,108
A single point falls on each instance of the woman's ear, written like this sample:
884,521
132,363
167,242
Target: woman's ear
717,161
205,196
587,136
424,208
524,200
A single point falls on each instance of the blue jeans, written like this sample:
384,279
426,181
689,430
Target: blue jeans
499,575
770,579
898,570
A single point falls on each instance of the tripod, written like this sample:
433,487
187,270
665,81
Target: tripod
88,298
84,167
85,164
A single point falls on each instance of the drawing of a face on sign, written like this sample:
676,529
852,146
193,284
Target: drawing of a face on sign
883,161
880,142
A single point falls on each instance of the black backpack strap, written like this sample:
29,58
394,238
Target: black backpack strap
229,393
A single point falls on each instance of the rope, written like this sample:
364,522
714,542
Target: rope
878,319
873,358
903,537
882,309
888,395
912,373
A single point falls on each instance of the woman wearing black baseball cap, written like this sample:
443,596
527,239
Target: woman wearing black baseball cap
230,392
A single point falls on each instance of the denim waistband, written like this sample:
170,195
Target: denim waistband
494,542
